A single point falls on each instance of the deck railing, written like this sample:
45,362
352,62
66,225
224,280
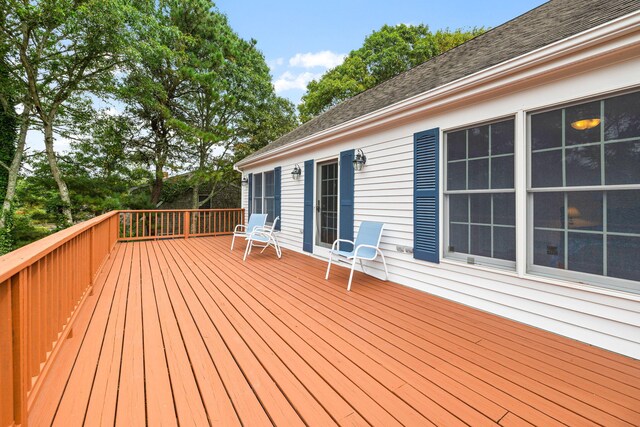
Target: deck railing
162,224
42,286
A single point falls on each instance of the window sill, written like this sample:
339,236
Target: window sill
585,287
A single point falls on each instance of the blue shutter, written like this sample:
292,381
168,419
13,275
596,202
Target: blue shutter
346,198
277,193
425,195
250,204
307,236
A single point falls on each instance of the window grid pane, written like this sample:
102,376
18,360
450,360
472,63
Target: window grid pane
480,172
587,226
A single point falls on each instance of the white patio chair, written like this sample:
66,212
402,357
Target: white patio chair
366,247
263,237
255,220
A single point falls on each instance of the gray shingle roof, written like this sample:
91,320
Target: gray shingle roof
548,23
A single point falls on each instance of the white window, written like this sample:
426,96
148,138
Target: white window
257,193
263,194
480,195
584,192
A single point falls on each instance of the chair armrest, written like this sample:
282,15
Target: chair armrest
262,229
241,226
333,246
257,232
355,252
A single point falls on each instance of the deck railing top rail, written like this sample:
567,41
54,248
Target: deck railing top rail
21,258
43,285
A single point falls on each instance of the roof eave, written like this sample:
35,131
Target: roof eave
446,93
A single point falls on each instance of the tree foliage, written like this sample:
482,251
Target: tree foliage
384,54
60,50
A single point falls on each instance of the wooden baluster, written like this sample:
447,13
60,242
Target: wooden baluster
186,225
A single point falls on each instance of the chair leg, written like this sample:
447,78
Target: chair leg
384,262
326,276
247,250
353,267
233,241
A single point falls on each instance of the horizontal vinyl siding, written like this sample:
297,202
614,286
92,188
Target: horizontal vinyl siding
292,208
384,192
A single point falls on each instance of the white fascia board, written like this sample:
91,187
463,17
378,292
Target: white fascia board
537,62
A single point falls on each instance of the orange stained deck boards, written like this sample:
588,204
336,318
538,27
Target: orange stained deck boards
182,332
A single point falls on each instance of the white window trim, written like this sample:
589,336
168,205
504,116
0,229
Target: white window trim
523,266
463,258
263,196
533,270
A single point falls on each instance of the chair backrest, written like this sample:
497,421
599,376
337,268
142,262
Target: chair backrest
256,220
369,233
273,226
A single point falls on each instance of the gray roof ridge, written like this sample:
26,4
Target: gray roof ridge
563,14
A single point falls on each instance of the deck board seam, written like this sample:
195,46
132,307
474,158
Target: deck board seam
202,339
250,348
534,379
442,349
189,356
275,302
84,336
258,301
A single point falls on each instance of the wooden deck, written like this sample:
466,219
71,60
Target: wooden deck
183,332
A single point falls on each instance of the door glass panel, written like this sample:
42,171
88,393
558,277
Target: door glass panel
327,207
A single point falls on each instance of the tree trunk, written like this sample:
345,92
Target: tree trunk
55,171
158,182
16,164
195,196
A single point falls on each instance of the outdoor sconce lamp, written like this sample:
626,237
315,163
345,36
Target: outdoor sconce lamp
245,181
296,172
359,160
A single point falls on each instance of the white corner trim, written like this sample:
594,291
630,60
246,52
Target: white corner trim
578,42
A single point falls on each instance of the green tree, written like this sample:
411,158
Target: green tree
61,50
194,91
8,137
156,78
384,54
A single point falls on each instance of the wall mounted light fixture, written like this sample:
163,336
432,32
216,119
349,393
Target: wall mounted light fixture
245,180
296,172
359,160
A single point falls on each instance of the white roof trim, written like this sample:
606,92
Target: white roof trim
445,94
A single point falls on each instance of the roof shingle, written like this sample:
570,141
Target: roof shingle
546,24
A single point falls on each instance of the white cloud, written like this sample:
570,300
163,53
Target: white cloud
288,81
325,59
111,111
275,63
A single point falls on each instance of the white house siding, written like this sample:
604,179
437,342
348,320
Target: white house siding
384,192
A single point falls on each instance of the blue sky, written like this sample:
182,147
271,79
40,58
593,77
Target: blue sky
302,39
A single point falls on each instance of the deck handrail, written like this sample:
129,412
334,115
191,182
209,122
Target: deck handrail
43,285
172,223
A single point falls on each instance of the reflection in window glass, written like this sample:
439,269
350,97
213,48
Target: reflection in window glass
478,141
622,163
479,174
546,130
583,165
257,193
481,223
623,211
546,169
621,118
587,226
